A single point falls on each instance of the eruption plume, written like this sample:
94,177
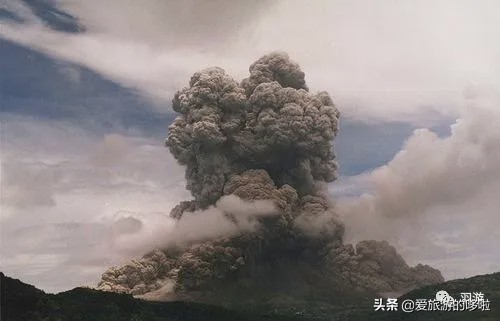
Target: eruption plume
265,139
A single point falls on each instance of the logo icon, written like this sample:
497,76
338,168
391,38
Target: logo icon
445,298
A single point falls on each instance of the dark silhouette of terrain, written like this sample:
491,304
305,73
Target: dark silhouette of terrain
24,302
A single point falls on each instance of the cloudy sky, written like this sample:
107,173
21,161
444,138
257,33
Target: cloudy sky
85,91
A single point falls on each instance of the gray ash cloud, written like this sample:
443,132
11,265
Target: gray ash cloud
270,139
268,122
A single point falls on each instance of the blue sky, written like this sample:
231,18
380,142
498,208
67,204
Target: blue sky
85,106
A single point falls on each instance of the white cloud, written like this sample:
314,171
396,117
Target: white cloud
21,10
168,23
66,193
386,60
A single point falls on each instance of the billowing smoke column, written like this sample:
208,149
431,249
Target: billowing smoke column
269,122
266,138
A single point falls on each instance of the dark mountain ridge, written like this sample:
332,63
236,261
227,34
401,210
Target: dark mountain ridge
20,301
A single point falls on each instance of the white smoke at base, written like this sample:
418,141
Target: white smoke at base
137,233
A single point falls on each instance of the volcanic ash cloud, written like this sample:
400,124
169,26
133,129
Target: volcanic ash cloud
266,139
